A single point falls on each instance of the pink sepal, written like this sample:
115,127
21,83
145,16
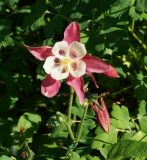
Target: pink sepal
78,85
50,87
41,52
72,33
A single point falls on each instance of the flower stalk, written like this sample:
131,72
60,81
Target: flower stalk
80,128
69,114
70,104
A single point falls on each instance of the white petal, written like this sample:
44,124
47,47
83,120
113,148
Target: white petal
60,49
49,64
59,73
77,50
78,68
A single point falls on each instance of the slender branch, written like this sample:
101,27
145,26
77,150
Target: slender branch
74,123
70,105
70,131
80,128
79,131
121,91
132,26
131,29
69,114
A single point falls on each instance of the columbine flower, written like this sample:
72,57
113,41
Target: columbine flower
102,115
69,59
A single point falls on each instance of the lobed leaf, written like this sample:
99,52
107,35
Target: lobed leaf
127,149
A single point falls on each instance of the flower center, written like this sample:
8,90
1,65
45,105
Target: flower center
66,61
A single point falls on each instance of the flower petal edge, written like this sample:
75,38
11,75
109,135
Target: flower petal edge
78,85
50,87
41,52
72,33
95,65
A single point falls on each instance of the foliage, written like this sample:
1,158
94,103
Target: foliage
32,126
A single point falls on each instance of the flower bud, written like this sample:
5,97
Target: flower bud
102,115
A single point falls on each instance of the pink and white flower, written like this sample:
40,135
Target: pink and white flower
68,59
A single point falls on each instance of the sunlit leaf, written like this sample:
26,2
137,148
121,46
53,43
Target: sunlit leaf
120,117
126,149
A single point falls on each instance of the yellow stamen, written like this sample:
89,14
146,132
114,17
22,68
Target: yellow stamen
66,62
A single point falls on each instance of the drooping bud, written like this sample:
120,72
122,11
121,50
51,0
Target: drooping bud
102,115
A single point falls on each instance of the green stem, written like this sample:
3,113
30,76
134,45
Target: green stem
69,114
121,91
70,105
70,131
131,29
80,128
132,26
74,122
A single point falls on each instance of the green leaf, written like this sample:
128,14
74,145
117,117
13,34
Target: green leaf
77,110
59,125
144,139
5,126
140,89
74,156
142,108
120,116
84,38
11,2
145,60
120,7
48,147
140,76
36,18
89,157
105,150
76,15
27,120
143,123
128,135
132,11
27,152
28,124
7,102
5,33
128,149
109,30
60,131
141,5
3,157
121,72
88,125
139,136
103,138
